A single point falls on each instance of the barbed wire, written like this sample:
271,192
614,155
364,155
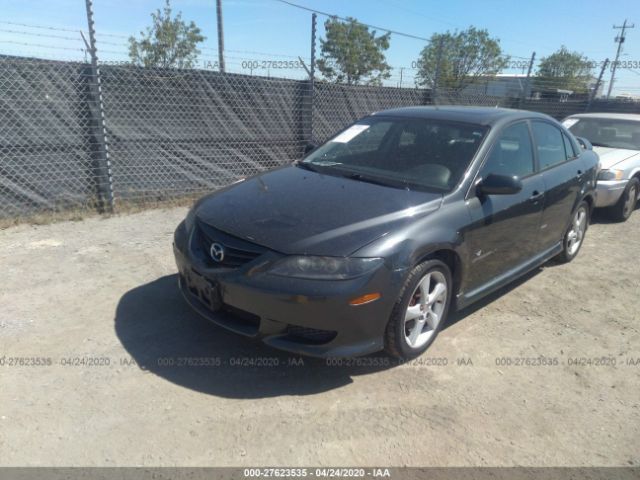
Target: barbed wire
41,35
53,47
43,27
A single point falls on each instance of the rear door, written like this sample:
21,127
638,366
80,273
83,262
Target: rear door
563,176
505,228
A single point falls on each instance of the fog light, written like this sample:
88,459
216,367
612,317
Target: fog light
368,298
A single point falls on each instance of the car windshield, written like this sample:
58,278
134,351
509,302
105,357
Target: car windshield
415,153
605,132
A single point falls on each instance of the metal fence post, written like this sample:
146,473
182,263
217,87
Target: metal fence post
312,86
436,79
100,144
308,90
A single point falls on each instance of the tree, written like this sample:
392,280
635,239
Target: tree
169,42
564,70
352,54
463,56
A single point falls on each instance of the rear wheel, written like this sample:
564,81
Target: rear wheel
574,236
420,311
622,210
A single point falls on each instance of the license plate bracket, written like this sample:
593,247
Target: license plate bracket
206,289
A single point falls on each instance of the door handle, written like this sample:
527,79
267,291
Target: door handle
579,175
536,195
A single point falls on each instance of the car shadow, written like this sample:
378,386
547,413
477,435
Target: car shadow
165,337
458,315
600,216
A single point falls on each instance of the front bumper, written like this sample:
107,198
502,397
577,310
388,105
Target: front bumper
311,317
608,192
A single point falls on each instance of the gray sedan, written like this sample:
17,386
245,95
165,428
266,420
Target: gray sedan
616,139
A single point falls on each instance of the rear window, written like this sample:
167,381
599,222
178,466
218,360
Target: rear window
550,144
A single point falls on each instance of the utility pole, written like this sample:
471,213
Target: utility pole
220,36
619,40
401,70
527,82
597,86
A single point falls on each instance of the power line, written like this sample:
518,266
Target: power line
331,15
395,32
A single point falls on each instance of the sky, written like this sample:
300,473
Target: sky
258,33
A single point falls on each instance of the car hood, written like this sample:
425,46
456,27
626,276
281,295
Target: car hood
296,211
609,157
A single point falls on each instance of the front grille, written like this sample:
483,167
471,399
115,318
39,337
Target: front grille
310,336
237,251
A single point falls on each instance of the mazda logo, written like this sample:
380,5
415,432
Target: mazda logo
217,252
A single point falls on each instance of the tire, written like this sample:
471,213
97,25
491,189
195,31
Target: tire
622,210
574,236
429,316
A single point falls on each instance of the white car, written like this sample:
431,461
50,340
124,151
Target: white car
616,139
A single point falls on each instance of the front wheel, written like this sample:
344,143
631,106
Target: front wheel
420,311
622,210
574,236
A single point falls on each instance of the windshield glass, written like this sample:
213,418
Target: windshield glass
403,152
603,132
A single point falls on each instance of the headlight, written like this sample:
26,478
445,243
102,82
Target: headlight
324,268
190,219
611,175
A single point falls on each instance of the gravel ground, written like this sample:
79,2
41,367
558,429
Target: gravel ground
94,308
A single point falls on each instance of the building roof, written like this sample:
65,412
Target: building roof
610,116
478,115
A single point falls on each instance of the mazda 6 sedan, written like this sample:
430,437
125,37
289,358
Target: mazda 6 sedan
374,237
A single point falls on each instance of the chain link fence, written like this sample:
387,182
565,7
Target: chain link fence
177,133
336,106
74,137
45,136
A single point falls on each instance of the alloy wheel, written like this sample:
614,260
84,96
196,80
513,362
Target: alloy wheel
578,229
425,309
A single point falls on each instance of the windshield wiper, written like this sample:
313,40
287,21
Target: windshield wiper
313,166
326,163
596,144
375,181
307,166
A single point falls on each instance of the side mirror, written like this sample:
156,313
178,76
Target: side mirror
584,143
309,147
499,185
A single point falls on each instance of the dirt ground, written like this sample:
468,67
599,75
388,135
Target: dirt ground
103,364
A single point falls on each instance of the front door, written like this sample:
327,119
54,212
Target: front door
504,232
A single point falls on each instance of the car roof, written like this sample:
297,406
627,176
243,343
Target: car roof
610,116
477,115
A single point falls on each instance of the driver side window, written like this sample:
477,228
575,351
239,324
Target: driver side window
512,153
